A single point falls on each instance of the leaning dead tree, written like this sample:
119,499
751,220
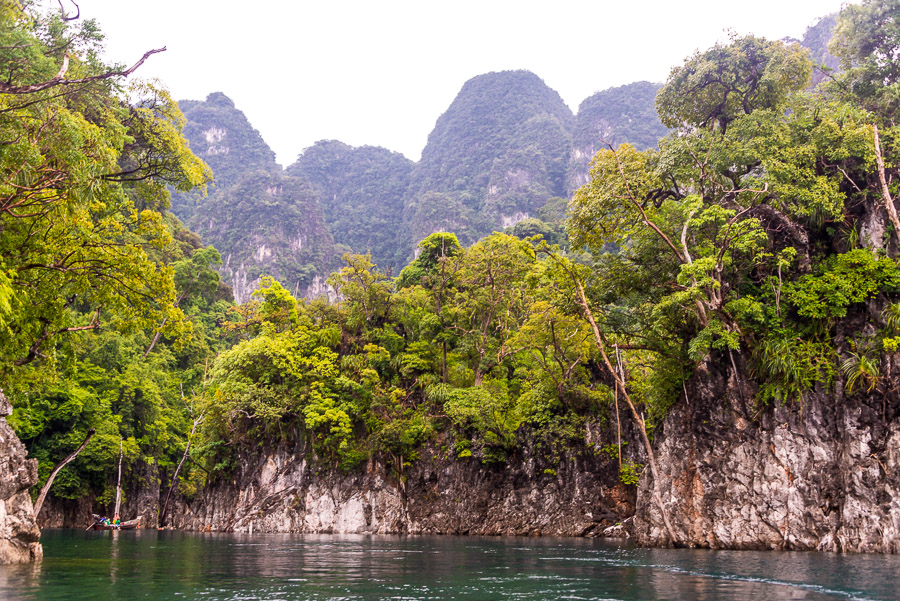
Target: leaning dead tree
162,514
582,301
885,188
46,488
197,420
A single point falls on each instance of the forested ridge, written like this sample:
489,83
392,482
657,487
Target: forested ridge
760,231
507,150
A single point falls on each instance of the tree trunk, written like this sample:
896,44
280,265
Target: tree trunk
651,456
620,384
618,421
46,488
119,483
885,191
156,337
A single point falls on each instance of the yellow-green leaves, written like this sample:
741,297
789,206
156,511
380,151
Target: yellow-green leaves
157,154
606,209
807,157
277,308
83,177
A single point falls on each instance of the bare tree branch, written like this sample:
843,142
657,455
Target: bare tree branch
644,217
62,10
187,450
35,347
6,88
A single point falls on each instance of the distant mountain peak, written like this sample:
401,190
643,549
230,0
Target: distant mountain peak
220,99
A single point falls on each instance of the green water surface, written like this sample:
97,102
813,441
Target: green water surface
173,565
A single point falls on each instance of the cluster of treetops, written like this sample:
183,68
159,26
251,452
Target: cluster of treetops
738,237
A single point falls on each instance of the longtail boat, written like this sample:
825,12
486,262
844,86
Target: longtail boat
99,524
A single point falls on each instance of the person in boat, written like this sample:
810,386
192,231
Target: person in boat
117,521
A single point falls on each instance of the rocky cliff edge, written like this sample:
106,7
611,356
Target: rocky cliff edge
19,534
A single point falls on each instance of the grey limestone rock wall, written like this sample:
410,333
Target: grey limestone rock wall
281,491
821,474
19,534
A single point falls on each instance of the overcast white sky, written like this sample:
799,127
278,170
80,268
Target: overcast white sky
381,72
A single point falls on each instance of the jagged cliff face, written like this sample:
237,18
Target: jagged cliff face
285,489
267,224
281,491
361,191
221,135
824,474
19,534
498,153
821,473
613,116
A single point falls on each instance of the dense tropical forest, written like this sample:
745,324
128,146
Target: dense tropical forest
762,219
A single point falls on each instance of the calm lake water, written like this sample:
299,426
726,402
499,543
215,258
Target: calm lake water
173,565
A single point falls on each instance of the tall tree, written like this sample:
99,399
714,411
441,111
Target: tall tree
83,177
867,40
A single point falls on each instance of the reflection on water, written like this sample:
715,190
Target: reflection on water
173,565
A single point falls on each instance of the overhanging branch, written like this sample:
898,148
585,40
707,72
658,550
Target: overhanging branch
58,80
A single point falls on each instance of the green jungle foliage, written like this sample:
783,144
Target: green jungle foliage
467,341
267,223
361,191
93,270
737,241
740,236
501,147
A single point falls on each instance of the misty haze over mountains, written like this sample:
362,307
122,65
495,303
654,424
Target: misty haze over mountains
507,152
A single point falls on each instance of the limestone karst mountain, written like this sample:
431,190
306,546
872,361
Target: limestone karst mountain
361,191
221,135
505,150
261,220
623,114
494,157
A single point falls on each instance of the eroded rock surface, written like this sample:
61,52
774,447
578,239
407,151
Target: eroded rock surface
281,491
19,534
822,474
